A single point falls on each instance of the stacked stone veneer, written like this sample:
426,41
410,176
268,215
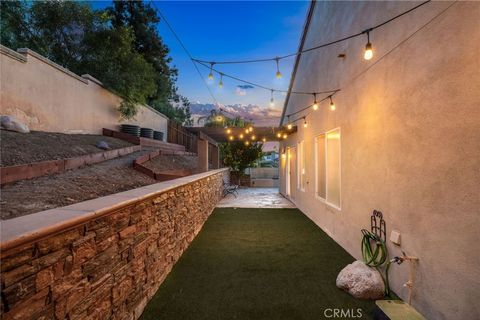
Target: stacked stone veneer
108,267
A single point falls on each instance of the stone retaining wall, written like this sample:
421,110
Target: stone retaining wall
109,265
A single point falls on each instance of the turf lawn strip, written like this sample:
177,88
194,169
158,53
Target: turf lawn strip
256,264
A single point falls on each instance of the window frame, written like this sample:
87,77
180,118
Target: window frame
316,166
325,200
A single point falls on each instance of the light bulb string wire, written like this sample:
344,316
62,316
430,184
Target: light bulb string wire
318,46
186,50
257,84
373,64
169,26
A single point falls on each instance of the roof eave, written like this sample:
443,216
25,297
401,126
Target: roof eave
297,59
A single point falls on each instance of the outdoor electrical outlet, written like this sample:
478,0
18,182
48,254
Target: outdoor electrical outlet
395,237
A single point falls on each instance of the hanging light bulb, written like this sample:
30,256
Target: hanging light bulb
247,131
332,105
230,138
229,131
289,125
368,48
247,143
250,128
240,135
220,84
278,75
315,103
305,122
285,136
272,102
210,75
264,139
254,137
279,135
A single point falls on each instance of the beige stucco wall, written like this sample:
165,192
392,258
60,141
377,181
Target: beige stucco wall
410,130
50,98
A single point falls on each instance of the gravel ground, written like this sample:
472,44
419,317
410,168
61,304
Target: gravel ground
98,180
21,148
58,190
162,163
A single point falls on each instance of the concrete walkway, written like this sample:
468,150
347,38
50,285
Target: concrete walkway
256,198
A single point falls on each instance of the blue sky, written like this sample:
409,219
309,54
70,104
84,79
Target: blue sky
230,31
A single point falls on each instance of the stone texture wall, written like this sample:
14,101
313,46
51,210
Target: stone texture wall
109,267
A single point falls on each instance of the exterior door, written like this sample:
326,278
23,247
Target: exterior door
291,171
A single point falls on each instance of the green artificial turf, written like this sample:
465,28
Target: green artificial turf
256,264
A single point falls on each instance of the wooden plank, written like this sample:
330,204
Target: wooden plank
398,310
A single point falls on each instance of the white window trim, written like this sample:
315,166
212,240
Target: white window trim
316,166
324,200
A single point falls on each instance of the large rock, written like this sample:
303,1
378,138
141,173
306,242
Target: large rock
12,124
361,281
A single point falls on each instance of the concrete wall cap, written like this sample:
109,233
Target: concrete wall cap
13,54
27,52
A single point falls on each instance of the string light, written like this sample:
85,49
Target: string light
247,131
250,128
278,75
256,84
289,125
240,136
305,122
229,131
210,75
253,137
321,45
315,103
332,105
368,47
247,143
220,84
231,138
285,136
264,139
279,135
272,102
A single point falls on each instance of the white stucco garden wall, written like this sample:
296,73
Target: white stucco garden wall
48,97
410,141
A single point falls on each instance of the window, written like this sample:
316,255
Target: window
301,166
320,184
328,170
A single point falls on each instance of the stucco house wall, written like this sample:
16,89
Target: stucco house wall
410,141
48,97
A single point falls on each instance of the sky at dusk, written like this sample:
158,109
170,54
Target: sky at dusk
230,30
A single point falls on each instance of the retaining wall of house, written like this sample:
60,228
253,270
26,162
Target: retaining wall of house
48,97
103,258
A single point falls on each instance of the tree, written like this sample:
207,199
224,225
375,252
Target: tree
120,68
143,20
239,156
119,47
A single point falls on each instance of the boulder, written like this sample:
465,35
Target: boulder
103,145
12,124
361,281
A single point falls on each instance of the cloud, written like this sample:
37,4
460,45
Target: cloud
240,92
245,86
261,116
